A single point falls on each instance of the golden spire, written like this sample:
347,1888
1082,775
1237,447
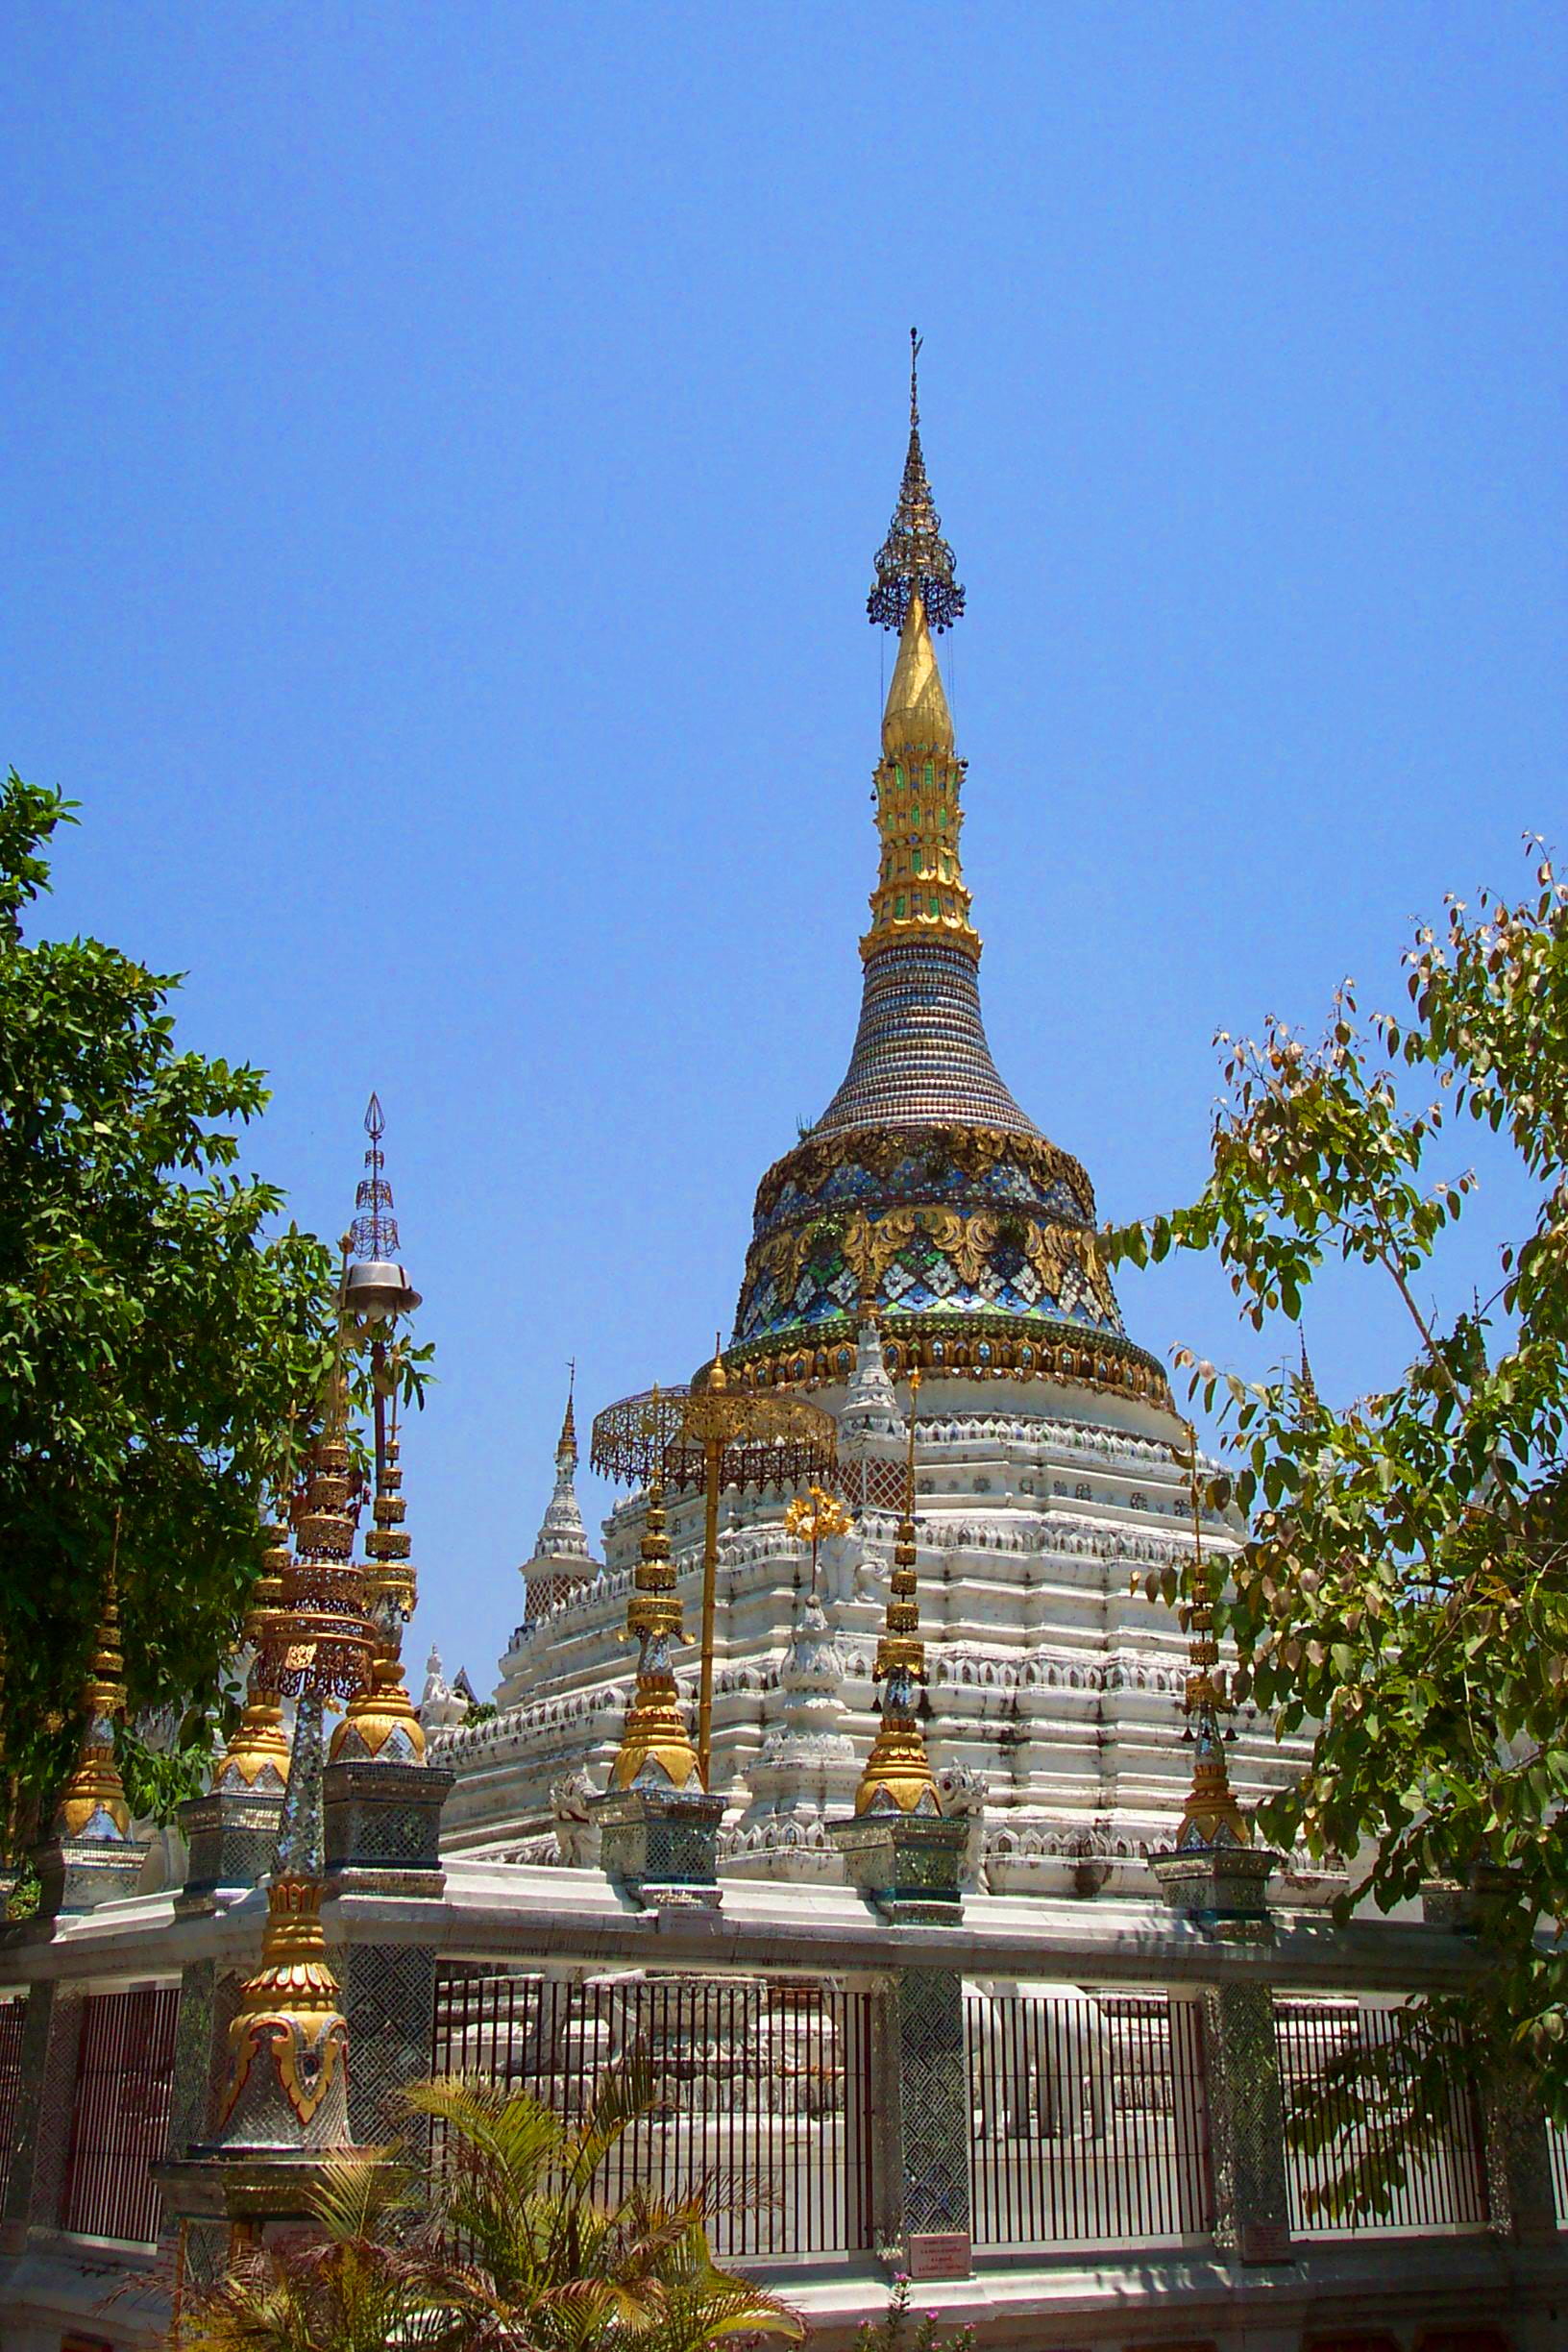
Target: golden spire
898,1776
568,1442
916,717
1213,1815
920,889
258,1751
380,1725
92,1803
655,1745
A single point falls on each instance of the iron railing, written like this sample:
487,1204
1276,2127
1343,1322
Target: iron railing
760,2087
1442,2188
12,2011
124,2066
1557,2143
1090,2119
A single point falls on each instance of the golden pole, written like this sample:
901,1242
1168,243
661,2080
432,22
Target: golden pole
714,1454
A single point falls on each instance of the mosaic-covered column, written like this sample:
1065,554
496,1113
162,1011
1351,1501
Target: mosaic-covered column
42,2119
921,2124
1520,2197
1246,2122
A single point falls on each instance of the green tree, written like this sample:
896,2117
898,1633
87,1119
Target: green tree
516,2242
1402,1595
155,1334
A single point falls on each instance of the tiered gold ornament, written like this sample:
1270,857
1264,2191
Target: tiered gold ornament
93,1803
657,1747
898,1777
380,1723
256,1756
1213,1817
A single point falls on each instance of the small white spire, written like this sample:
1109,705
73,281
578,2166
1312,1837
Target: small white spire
869,1422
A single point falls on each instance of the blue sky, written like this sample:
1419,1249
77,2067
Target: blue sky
442,456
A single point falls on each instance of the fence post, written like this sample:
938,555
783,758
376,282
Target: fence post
920,2110
1246,2122
45,2106
384,1827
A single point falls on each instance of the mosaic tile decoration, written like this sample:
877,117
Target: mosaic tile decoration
924,1187
921,1052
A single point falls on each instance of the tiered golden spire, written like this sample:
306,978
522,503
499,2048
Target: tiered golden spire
655,1745
1213,1815
920,890
380,1721
898,1776
257,1755
92,1803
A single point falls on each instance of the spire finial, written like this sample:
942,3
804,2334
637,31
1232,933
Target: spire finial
915,559
375,1234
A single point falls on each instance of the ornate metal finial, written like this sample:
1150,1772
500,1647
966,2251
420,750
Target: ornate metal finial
898,1776
92,1803
1213,1815
915,559
378,1289
374,1235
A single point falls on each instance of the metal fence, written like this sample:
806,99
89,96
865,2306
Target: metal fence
760,2086
125,2063
1090,2119
1556,2139
12,2011
1443,2188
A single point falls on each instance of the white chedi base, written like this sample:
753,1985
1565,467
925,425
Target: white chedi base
1052,1682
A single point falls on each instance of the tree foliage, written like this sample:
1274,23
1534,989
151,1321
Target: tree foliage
156,1332
1402,1595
